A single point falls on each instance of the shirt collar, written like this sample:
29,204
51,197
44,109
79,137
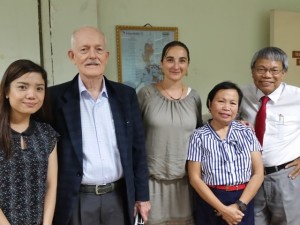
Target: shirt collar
229,138
274,96
82,88
29,131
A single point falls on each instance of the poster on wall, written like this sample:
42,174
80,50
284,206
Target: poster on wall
139,52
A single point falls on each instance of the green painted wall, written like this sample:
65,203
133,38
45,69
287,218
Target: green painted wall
222,35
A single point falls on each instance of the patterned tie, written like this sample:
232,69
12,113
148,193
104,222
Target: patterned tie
260,123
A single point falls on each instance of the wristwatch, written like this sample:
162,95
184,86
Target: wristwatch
242,206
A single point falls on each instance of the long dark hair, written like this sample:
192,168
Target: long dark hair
14,71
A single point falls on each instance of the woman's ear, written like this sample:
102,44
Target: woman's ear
209,106
7,94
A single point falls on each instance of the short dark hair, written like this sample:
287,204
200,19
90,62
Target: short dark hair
174,44
222,86
271,53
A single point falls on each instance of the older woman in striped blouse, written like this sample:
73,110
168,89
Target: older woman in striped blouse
224,162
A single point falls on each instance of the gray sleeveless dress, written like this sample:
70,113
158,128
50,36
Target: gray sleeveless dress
169,124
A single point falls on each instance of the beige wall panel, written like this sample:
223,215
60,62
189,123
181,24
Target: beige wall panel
285,34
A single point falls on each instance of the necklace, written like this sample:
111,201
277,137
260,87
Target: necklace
171,95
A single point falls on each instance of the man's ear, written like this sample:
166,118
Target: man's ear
71,55
107,55
283,74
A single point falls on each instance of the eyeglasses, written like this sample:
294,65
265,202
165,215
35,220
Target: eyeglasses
262,71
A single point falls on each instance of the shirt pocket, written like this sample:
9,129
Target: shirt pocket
283,126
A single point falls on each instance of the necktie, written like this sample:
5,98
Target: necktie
260,123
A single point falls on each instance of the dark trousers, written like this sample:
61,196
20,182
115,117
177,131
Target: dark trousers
204,214
106,209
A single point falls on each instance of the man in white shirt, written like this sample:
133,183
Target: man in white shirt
278,200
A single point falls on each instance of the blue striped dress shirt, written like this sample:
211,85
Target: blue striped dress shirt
101,157
224,162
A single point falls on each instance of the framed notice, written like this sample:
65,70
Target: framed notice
139,53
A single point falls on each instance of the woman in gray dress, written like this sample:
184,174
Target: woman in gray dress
171,111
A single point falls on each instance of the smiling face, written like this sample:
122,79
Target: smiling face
224,106
175,63
89,52
26,94
266,82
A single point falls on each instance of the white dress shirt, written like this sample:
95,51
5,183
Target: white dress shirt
282,135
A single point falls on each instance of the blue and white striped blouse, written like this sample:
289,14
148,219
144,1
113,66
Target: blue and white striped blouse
224,162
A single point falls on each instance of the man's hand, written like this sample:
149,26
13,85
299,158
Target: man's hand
143,208
247,124
296,170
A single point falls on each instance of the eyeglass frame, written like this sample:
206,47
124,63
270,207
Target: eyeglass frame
263,71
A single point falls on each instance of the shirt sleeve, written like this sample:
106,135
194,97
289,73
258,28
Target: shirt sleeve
194,150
